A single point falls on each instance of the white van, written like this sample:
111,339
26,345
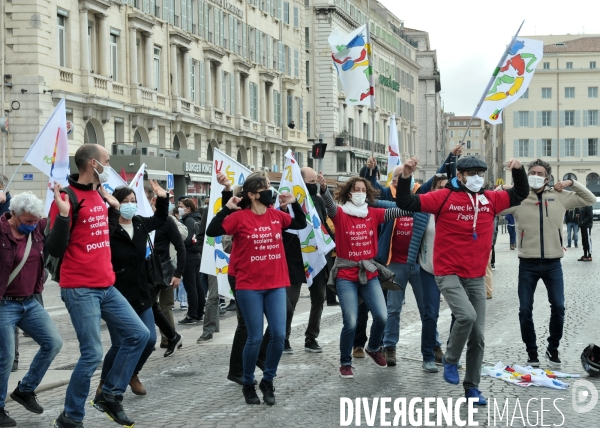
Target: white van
596,208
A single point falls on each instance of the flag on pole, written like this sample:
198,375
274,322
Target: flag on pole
114,180
215,261
510,79
393,151
137,184
351,57
50,151
123,174
314,240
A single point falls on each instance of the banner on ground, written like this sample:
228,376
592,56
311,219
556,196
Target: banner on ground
350,54
393,151
215,261
314,240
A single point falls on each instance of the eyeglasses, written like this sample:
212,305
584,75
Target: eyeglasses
473,172
438,175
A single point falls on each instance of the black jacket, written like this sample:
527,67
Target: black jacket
166,235
571,215
586,217
128,255
191,252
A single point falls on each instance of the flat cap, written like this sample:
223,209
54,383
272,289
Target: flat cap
470,162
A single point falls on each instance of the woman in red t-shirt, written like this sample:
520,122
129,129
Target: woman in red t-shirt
356,226
261,272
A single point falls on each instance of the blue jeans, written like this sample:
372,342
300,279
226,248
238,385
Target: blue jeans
147,318
181,294
253,304
372,295
549,271
33,319
572,228
86,307
404,274
431,312
512,233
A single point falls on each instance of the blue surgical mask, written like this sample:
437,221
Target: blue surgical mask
26,229
171,207
128,210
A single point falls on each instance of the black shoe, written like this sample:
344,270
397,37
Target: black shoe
569,246
231,306
15,366
27,400
222,311
238,379
249,392
287,348
63,421
268,391
533,360
113,408
554,360
173,345
206,337
187,320
311,345
5,420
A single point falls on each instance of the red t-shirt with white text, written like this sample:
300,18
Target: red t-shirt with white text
87,260
401,237
356,239
455,252
260,262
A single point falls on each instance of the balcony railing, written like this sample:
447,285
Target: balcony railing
360,143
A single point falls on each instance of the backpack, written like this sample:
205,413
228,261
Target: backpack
53,263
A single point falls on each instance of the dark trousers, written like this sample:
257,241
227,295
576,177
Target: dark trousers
586,240
161,321
317,298
193,287
512,233
549,271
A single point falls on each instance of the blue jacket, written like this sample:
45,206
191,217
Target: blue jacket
4,207
420,220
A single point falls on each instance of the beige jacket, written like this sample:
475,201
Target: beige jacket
534,215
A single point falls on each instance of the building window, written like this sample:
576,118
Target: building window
296,17
546,66
526,94
89,135
570,118
296,63
523,119
451,134
286,13
592,117
119,130
114,57
341,161
157,69
277,105
254,101
592,92
569,65
592,64
569,147
523,148
62,41
193,65
546,118
546,148
90,46
570,92
547,93
468,144
307,73
569,176
593,147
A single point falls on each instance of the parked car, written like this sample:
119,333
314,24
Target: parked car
596,208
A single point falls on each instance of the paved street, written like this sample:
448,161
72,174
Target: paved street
191,390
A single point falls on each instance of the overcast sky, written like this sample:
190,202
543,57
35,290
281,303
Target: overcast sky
471,35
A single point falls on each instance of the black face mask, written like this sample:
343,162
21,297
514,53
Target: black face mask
265,197
312,188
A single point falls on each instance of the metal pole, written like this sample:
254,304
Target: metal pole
2,66
372,88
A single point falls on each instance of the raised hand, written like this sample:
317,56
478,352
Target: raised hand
285,199
110,199
158,191
513,163
321,181
457,150
224,181
63,206
232,204
409,167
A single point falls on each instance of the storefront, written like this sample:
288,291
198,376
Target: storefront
198,176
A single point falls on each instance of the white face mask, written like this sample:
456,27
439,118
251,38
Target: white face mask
536,182
181,211
102,177
359,198
474,183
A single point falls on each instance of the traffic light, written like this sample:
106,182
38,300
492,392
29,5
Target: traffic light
318,150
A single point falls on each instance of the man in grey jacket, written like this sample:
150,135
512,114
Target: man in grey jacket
540,240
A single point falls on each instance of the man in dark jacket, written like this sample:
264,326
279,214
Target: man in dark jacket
586,221
4,195
464,220
572,222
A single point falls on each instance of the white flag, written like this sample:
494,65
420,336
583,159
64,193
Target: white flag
393,151
114,181
314,240
137,184
215,261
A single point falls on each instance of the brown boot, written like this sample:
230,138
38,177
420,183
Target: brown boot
99,389
438,354
136,386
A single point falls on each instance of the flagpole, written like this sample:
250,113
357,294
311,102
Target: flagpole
13,176
492,78
372,86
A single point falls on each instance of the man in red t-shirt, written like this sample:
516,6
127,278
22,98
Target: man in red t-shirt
463,240
86,282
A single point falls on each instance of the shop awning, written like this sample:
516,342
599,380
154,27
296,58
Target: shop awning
200,178
360,155
156,174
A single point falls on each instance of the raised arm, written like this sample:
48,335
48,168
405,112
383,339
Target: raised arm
445,168
580,197
404,199
370,173
520,190
299,219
